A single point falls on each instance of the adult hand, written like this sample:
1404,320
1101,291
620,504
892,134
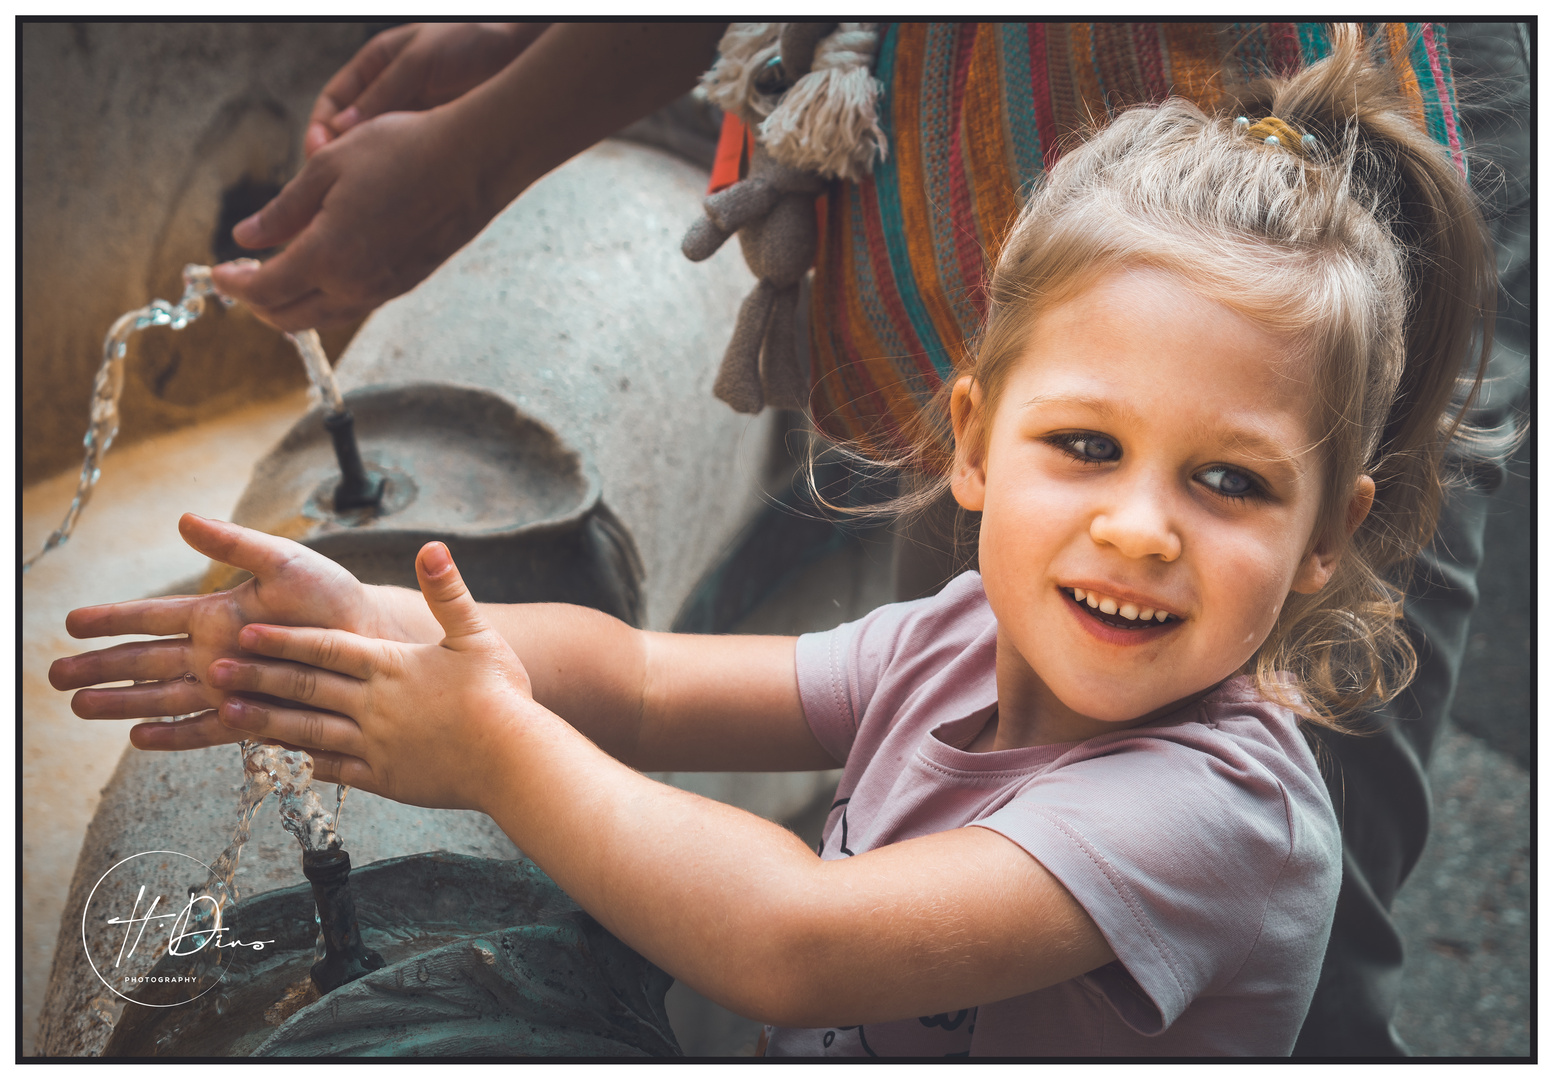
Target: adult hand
291,584
413,67
416,723
368,218
378,208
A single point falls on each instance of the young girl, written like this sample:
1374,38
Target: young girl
1077,813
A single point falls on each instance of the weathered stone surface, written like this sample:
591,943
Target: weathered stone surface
130,134
518,509
578,306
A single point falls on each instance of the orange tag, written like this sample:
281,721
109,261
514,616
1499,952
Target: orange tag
732,145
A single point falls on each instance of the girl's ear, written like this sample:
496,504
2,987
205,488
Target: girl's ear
969,481
1321,563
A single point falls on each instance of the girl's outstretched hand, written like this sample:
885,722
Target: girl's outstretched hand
416,723
290,584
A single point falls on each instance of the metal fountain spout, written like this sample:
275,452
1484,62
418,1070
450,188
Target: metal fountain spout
347,959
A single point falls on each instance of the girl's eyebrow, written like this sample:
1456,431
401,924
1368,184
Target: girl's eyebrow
1102,406
1265,450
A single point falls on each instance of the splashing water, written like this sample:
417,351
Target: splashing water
289,773
109,386
339,803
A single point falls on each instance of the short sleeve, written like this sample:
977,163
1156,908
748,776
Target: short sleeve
864,668
1181,849
825,688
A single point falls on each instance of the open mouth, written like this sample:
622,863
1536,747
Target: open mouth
1117,613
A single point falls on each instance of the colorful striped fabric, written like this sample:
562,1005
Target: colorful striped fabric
974,113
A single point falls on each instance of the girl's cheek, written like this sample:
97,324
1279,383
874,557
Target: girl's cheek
1256,584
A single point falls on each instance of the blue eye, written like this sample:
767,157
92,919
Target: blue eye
1228,482
1087,447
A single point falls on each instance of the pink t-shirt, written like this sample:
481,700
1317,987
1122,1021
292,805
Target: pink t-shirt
1203,845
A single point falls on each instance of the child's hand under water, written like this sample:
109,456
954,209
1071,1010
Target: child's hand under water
291,584
410,722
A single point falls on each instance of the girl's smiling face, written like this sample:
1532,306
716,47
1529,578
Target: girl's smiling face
1150,487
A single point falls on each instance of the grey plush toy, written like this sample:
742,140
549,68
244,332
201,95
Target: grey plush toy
805,90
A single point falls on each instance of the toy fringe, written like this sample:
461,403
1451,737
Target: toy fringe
827,122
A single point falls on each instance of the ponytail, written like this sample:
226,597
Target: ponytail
1352,103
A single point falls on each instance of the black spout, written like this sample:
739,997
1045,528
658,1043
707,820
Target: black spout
347,959
358,487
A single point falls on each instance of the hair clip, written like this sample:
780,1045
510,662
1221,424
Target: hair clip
1271,131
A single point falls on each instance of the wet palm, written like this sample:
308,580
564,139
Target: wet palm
291,585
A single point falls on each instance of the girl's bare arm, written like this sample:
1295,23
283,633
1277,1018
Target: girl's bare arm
657,701
735,906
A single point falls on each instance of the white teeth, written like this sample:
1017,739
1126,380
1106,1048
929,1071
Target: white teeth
1113,607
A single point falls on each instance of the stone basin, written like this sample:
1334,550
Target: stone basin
485,958
519,509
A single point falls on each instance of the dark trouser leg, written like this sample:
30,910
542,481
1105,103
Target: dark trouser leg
1377,782
1381,794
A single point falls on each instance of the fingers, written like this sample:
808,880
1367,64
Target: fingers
247,549
333,113
286,214
132,660
332,768
160,616
143,700
333,651
396,87
191,733
310,729
314,310
287,290
445,592
291,682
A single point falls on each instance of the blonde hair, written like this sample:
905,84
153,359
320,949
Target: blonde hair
1367,250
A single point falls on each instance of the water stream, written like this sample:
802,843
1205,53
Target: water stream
266,768
108,387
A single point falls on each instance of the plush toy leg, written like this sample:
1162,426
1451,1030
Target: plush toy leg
785,386
738,380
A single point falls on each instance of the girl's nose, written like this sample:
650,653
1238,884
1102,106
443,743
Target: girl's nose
1137,524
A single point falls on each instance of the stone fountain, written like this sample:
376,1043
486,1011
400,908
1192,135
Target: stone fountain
550,418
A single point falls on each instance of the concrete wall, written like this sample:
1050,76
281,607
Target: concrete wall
130,134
